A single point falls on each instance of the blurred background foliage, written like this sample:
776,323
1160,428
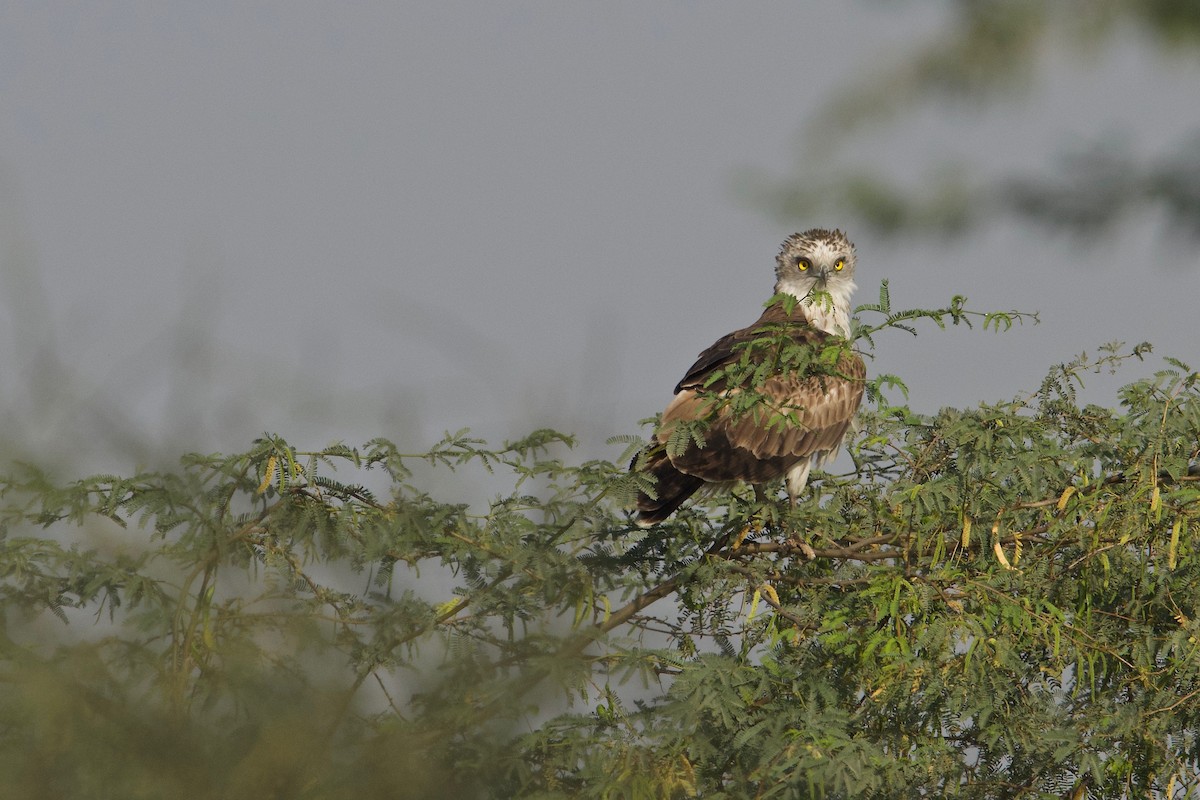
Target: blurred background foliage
992,52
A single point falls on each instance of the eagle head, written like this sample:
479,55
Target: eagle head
817,267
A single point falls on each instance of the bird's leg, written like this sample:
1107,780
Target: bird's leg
795,482
796,479
804,547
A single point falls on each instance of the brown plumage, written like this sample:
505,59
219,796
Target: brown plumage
769,400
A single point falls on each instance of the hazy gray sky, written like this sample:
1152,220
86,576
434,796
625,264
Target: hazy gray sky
336,221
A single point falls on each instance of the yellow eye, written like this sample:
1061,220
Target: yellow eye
840,265
802,264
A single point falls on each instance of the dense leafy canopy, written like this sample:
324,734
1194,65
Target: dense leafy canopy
994,602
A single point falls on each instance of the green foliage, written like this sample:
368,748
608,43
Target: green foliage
998,602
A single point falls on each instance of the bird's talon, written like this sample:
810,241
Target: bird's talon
804,547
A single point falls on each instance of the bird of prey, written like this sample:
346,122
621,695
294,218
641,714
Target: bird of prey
767,401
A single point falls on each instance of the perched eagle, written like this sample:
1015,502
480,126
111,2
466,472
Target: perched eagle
770,400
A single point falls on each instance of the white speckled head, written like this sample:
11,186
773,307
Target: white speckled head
819,260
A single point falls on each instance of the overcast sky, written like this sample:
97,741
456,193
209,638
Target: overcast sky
338,221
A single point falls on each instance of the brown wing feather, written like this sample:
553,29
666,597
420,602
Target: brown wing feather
803,414
728,348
